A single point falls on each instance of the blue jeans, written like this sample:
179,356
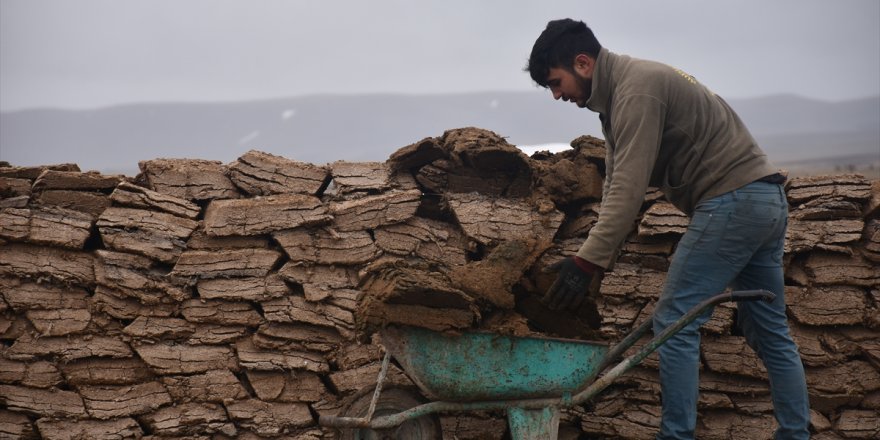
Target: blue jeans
736,240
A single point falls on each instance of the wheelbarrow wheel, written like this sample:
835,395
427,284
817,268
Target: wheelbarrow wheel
392,400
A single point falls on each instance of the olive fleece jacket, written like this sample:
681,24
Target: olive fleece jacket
662,128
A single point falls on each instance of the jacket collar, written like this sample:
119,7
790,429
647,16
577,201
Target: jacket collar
600,97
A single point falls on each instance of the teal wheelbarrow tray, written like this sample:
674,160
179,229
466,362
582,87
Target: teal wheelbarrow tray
531,378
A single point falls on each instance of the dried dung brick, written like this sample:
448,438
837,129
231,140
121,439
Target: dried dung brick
721,321
14,187
334,277
629,280
68,348
492,220
826,305
138,277
371,212
157,235
731,355
112,401
616,318
93,203
35,171
151,328
848,187
854,423
836,269
491,280
470,427
360,176
133,196
413,295
46,226
220,312
168,358
834,235
852,378
416,155
244,289
578,225
15,425
253,358
264,215
231,263
811,346
356,354
74,180
66,266
485,162
59,322
39,374
189,419
357,379
277,336
636,422
189,179
662,218
119,305
200,241
327,247
269,418
122,428
567,179
854,342
259,174
729,424
15,202
287,386
217,334
732,384
217,386
818,422
427,239
23,295
106,371
40,402
295,308
827,208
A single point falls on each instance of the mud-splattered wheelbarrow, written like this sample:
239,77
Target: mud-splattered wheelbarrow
531,378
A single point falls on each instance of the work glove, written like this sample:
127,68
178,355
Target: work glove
577,279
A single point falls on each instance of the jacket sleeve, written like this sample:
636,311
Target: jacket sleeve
637,129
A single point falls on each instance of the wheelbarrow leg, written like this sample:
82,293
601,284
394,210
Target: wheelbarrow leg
533,424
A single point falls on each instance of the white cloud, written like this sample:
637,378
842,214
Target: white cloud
249,137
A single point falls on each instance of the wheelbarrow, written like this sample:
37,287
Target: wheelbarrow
529,377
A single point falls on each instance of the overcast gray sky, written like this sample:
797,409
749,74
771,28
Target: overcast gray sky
96,53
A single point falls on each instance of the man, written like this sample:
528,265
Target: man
663,128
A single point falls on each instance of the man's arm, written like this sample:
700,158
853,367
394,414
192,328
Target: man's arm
637,127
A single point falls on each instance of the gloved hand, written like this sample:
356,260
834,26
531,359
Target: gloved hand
577,279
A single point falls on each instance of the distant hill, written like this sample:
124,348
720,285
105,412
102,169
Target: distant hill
325,128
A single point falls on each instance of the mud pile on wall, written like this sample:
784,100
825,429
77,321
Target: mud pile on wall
204,300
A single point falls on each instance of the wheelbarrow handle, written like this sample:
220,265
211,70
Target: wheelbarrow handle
659,339
344,422
752,295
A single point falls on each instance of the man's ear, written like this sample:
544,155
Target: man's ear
584,64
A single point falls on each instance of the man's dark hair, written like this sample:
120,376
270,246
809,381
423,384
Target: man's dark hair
558,45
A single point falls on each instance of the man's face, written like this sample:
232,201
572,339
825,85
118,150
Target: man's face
569,86
575,84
